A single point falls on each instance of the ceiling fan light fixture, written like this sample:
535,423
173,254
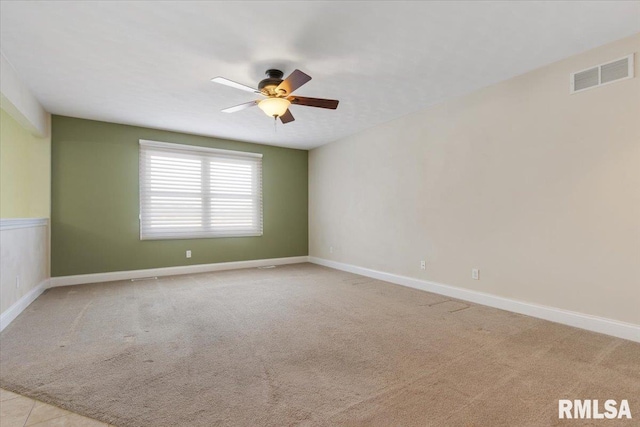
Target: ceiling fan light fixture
274,107
276,91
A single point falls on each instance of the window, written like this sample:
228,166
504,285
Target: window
195,192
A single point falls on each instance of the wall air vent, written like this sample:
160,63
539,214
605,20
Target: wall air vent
620,69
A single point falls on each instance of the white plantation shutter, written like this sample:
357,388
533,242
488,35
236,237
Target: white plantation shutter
193,192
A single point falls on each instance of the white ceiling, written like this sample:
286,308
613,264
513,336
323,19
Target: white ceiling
149,63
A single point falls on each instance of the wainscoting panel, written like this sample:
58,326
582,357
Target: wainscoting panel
24,262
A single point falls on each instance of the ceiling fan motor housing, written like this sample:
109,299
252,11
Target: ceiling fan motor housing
268,86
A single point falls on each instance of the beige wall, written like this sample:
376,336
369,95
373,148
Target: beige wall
25,171
537,188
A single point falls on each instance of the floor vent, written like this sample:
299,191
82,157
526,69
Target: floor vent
620,69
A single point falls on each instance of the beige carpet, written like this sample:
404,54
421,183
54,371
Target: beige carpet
303,345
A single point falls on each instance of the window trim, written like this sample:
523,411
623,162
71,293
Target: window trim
181,147
194,149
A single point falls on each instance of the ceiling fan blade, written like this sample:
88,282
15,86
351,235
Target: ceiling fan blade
331,104
286,117
240,107
293,82
236,85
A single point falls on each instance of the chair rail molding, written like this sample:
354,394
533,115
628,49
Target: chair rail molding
13,223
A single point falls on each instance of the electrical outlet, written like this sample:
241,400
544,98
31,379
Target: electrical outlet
189,254
423,265
330,249
475,274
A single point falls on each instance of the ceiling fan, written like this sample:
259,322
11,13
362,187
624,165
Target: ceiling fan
278,95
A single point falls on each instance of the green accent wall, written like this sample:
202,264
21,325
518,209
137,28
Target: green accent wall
94,206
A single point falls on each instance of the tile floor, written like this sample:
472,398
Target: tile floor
20,411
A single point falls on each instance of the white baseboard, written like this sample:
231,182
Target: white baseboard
18,307
171,271
12,312
579,320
